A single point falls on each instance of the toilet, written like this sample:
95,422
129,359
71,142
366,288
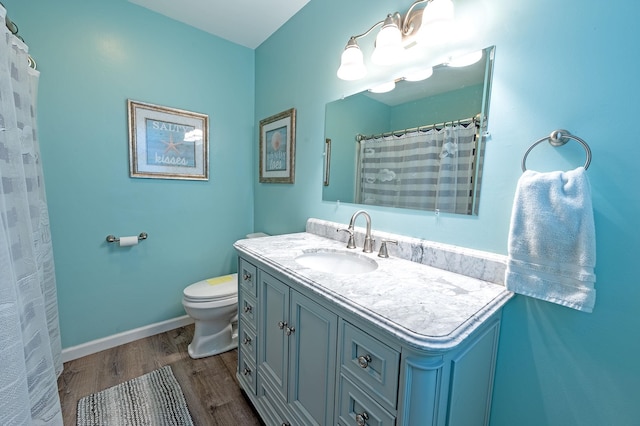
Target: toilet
213,304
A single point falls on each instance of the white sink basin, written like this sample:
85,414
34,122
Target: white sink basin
337,262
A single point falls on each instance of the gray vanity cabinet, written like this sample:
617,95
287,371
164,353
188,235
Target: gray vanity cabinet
305,359
247,325
296,355
453,388
367,380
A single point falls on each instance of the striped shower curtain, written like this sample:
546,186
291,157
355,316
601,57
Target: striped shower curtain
426,170
30,359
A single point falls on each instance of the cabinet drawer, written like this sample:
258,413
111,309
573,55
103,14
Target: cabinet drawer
247,342
247,278
247,373
247,308
356,408
370,363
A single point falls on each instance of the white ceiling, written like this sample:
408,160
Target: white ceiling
245,22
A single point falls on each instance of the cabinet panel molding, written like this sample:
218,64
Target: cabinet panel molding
472,382
312,360
273,358
420,388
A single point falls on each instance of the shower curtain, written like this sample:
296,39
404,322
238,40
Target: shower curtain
30,359
426,170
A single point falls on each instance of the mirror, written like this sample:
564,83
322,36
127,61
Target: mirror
435,127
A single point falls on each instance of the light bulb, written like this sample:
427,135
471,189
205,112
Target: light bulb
437,17
352,63
388,48
466,60
384,87
438,10
419,75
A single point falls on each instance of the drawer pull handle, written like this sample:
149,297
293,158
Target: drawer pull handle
282,324
246,371
246,276
361,419
248,308
246,340
289,330
364,360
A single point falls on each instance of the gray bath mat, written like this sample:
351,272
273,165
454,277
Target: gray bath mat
154,399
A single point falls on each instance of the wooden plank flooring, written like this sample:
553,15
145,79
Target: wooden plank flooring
209,384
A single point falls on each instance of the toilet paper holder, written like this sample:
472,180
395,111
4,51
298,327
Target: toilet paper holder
114,239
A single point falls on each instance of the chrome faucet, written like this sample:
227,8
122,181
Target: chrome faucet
368,242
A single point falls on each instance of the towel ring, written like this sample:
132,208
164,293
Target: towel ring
558,138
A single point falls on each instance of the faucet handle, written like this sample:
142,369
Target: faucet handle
351,244
383,247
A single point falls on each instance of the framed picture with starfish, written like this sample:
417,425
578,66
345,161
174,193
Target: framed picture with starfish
167,143
278,147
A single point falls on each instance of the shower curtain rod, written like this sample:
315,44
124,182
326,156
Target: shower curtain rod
13,29
475,119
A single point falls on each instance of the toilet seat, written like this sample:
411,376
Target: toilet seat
213,289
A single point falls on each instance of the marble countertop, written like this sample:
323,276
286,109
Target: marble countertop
425,307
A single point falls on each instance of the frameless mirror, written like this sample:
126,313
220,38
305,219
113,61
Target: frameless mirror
418,146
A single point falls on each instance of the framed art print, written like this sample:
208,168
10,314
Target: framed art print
167,143
278,147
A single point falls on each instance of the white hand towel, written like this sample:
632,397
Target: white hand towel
552,246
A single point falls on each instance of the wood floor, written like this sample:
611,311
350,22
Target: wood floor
209,384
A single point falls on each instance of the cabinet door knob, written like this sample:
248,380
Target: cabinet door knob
289,330
246,276
282,324
248,308
246,340
361,419
364,360
286,424
246,371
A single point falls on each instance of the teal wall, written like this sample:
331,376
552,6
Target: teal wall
345,119
94,55
455,105
569,64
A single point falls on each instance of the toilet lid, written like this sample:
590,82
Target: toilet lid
213,288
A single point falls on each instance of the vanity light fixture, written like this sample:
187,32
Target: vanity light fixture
419,75
465,60
396,33
388,48
352,62
413,76
384,87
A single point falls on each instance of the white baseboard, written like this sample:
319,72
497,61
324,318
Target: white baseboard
75,352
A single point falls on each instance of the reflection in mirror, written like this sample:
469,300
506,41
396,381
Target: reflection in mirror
418,146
